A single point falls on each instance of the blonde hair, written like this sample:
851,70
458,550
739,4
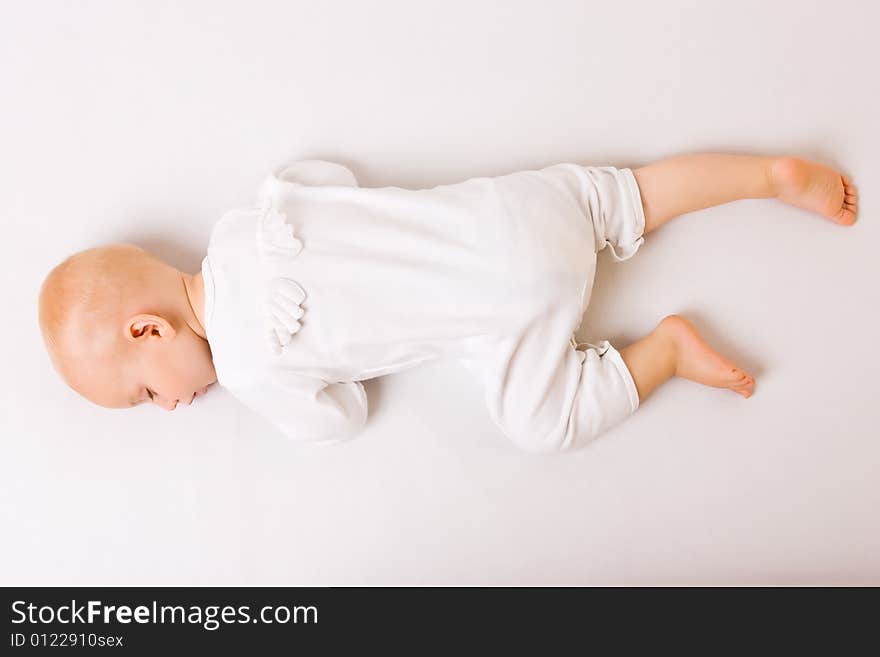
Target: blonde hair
82,297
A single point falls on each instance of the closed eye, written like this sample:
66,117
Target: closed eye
150,393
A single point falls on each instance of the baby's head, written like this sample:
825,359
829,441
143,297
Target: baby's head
122,328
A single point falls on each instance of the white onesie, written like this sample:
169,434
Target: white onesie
324,283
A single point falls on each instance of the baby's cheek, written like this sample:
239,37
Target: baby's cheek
195,362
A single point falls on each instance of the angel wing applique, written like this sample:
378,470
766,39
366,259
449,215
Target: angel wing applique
283,312
275,236
276,240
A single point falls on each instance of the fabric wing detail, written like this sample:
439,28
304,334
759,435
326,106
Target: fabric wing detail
275,235
283,312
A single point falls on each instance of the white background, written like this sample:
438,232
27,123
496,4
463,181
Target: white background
145,121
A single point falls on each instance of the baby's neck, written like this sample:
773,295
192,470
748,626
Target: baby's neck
195,292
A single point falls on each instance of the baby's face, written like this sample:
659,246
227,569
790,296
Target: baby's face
157,365
168,372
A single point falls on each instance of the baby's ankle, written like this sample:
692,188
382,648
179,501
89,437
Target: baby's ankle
666,334
784,174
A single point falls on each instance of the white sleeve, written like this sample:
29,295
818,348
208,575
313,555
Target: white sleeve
308,409
312,173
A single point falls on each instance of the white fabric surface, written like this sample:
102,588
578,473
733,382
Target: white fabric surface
324,283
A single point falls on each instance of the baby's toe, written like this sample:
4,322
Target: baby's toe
847,215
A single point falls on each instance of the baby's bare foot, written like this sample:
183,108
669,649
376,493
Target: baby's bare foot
815,187
697,361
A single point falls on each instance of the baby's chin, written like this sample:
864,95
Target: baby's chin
204,390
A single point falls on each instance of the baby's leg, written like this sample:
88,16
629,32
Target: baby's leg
692,182
675,348
686,183
546,396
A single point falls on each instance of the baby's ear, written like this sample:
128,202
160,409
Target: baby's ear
145,327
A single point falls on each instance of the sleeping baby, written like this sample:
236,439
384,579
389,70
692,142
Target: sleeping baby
322,284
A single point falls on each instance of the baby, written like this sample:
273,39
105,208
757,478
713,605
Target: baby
323,284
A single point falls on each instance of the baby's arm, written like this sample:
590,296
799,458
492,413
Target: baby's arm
308,409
